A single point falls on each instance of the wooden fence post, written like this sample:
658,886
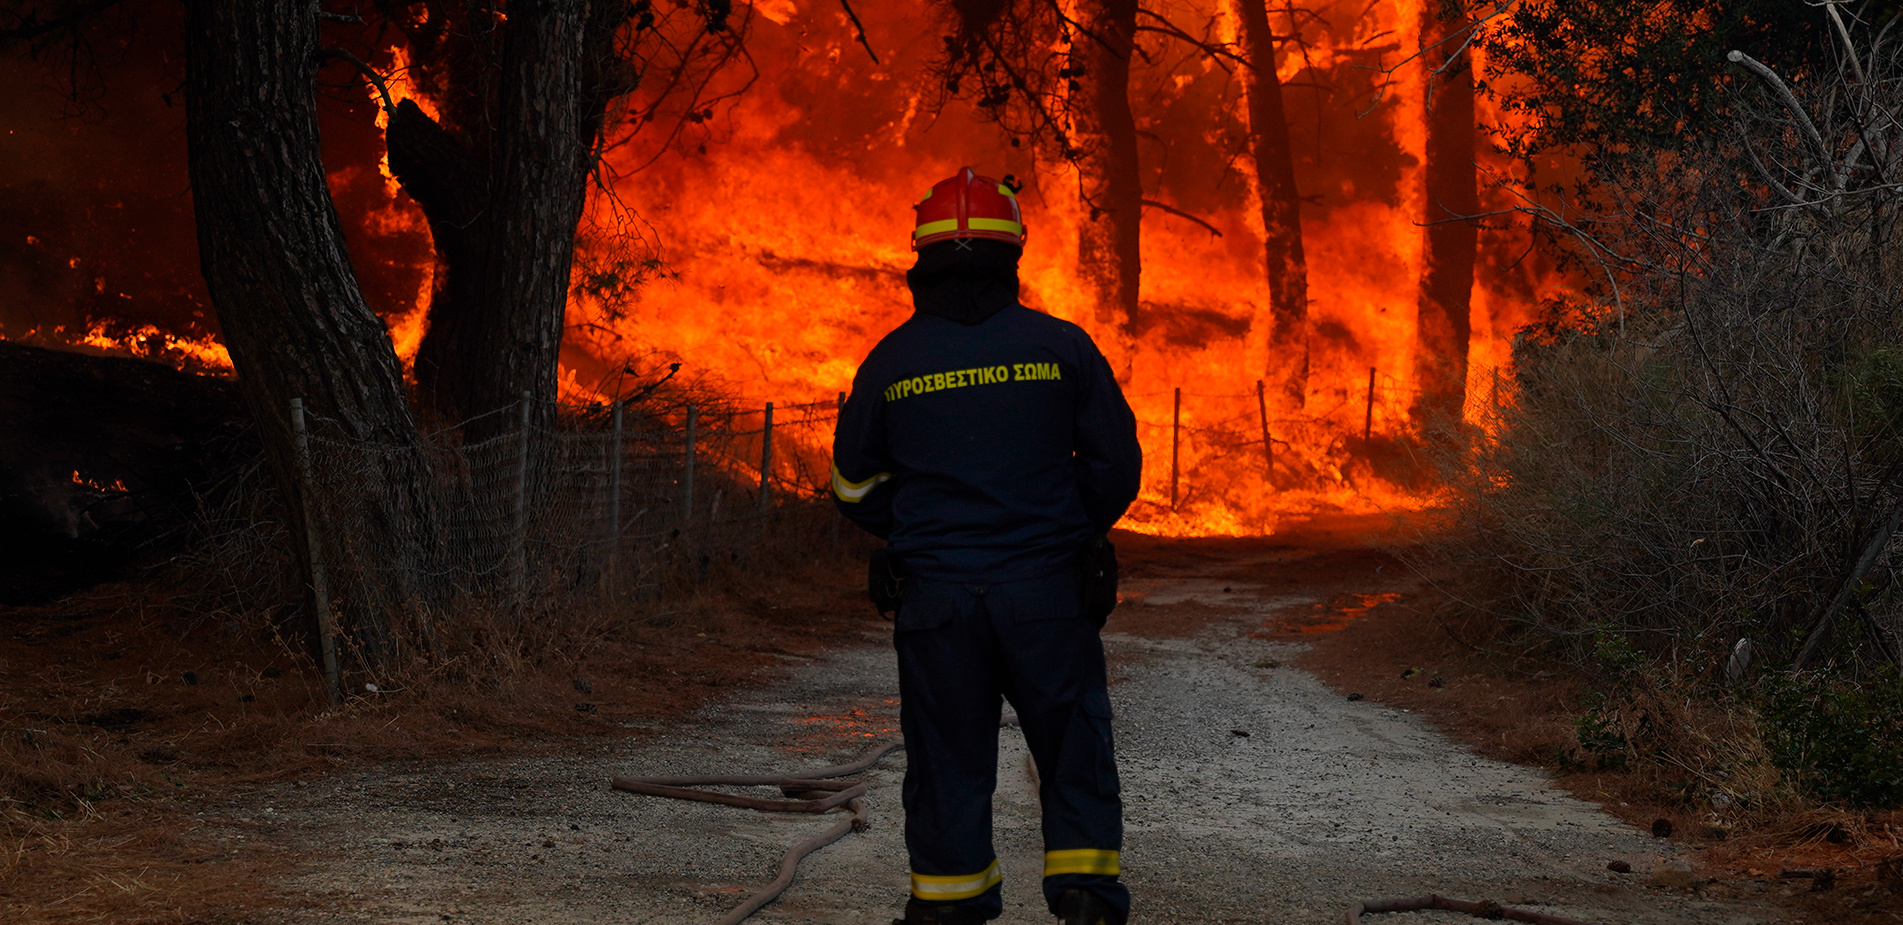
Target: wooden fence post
320,584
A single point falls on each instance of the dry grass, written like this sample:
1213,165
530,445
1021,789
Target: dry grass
1702,456
108,748
1514,705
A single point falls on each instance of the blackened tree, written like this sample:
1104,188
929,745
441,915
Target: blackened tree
523,93
1063,79
293,317
1443,307
1284,263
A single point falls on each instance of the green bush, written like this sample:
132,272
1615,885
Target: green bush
1837,740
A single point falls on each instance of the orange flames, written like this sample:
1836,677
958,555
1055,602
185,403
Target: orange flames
781,224
147,342
118,485
789,233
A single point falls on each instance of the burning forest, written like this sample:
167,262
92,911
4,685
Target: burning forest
748,215
429,365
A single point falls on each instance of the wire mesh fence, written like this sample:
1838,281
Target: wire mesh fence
580,504
583,503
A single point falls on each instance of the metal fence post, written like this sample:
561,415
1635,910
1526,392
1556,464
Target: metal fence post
1268,445
839,411
320,584
1367,423
687,470
519,534
1176,444
766,459
614,498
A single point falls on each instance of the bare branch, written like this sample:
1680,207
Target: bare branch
860,29
1217,51
29,26
1179,213
1784,95
370,74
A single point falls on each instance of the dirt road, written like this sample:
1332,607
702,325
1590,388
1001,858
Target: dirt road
1253,793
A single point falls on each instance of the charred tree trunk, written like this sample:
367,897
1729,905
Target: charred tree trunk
296,324
1285,264
1104,140
503,197
1447,273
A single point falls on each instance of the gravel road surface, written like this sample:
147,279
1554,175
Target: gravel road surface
1253,794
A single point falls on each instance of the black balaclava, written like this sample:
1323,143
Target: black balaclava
966,280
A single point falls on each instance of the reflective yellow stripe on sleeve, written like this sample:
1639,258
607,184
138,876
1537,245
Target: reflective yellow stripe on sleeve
1082,861
931,886
854,492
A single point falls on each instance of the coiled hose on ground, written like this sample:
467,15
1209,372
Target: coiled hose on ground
814,791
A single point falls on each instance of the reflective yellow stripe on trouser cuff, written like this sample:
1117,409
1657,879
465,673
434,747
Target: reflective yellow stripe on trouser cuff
1082,861
930,886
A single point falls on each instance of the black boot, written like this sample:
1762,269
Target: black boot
918,913
1082,907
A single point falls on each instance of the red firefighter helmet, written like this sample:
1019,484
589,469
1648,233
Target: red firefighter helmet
969,206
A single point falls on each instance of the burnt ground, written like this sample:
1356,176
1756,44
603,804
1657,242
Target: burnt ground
1257,788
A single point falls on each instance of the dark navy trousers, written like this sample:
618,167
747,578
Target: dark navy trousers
964,648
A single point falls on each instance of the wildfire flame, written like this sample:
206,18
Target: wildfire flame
789,264
118,485
764,247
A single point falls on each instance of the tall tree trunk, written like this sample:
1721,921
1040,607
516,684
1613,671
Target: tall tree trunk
1442,310
1285,264
1109,252
296,324
503,202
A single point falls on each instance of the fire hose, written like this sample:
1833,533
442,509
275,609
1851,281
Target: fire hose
814,791
820,791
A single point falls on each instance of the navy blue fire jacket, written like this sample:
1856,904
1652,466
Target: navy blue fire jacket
987,452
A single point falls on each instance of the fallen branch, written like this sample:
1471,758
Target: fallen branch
1486,909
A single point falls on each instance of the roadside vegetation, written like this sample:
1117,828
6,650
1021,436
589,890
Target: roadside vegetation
1692,498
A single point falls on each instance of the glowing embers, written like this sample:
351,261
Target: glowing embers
118,486
1327,617
822,732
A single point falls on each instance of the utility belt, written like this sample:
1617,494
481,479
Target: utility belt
1096,580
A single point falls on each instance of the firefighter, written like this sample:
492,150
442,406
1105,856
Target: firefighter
990,446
